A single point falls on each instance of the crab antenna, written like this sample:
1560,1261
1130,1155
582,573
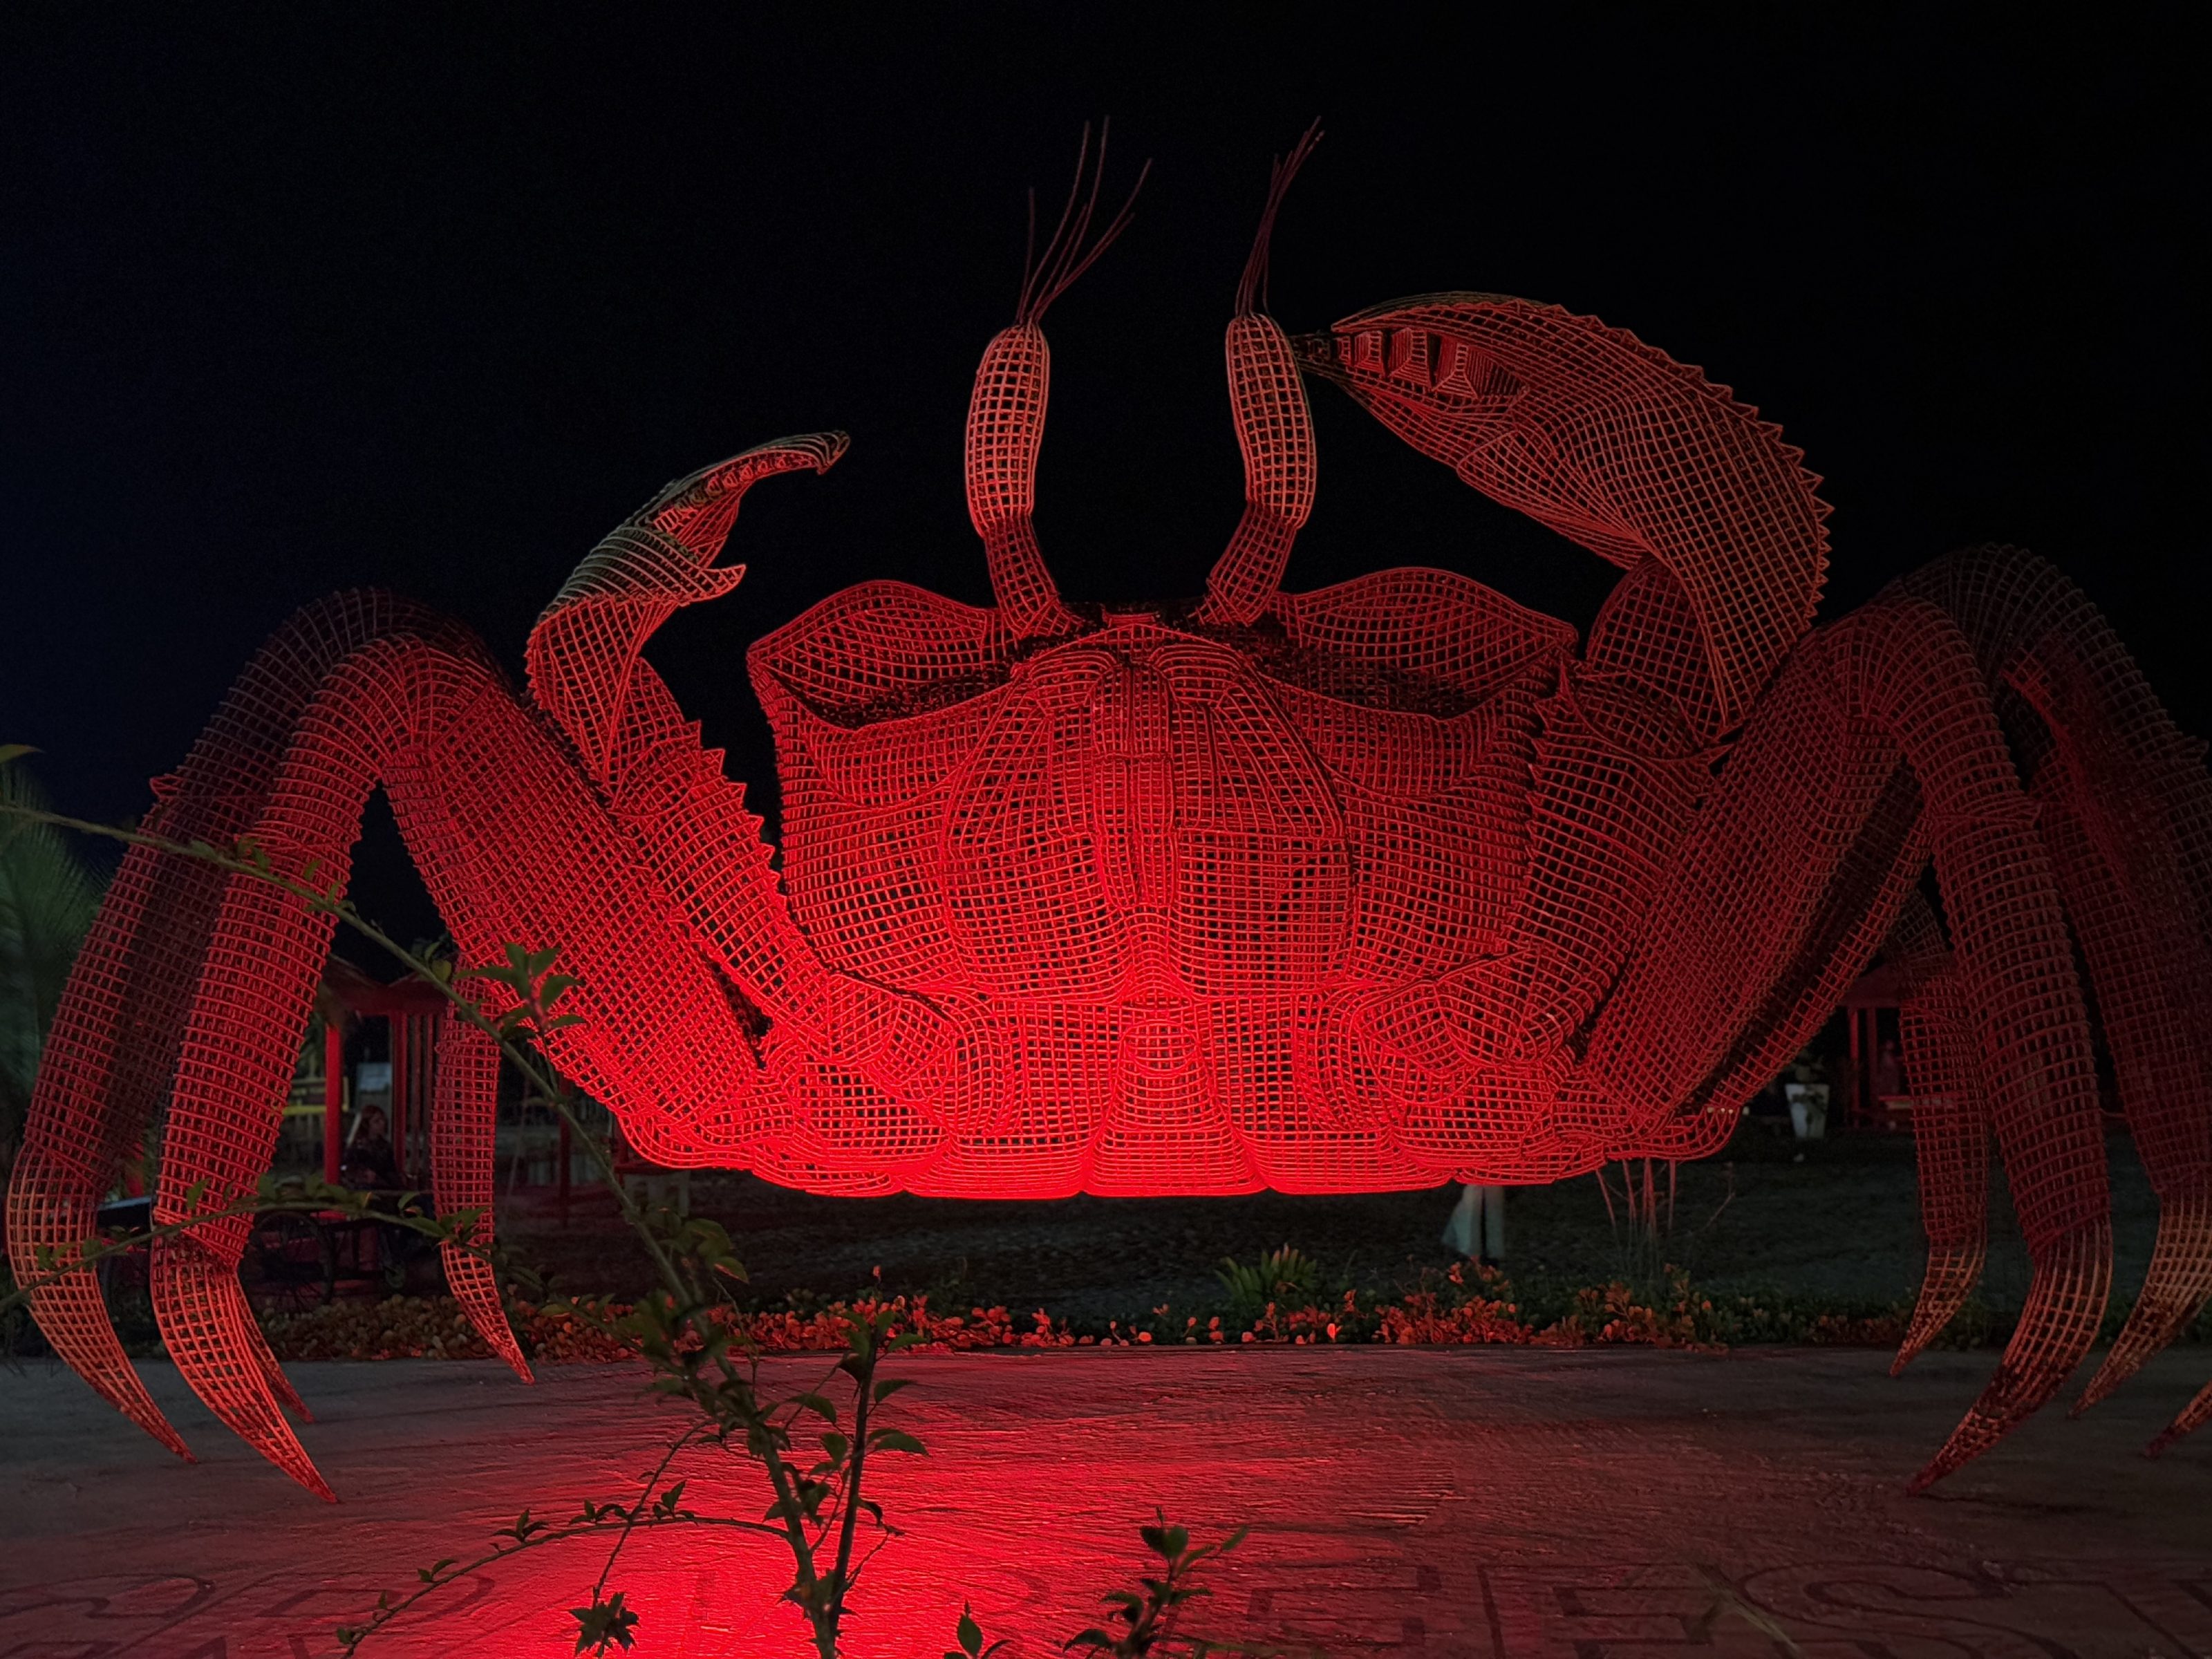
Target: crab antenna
1048,276
1252,284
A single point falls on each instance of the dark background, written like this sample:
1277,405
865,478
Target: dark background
296,300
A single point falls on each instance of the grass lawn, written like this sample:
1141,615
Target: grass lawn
1835,1220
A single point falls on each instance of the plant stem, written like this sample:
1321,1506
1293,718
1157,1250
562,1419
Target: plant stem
687,1300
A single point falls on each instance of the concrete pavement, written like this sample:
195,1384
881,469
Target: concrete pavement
1510,1504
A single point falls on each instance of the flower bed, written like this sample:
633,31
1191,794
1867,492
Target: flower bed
1466,1304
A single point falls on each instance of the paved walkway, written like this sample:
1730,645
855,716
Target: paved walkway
1475,1501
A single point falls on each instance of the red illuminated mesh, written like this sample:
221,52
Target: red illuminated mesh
2126,816
1613,445
1349,891
1275,432
464,1117
1005,430
1950,1123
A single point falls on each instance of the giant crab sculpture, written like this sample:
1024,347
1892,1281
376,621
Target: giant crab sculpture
1370,888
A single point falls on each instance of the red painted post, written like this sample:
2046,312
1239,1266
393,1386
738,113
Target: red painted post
333,1095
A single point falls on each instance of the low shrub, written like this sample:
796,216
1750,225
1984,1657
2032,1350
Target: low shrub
1465,1304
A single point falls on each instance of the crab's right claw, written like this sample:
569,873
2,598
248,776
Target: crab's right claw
698,511
584,652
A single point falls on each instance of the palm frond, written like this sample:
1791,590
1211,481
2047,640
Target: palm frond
48,897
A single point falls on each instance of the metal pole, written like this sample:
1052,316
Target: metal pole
400,1102
333,1095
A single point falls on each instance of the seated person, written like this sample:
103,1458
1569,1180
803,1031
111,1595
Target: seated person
369,1161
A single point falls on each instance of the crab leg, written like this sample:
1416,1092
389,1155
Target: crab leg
2193,1417
1752,898
2127,816
514,847
94,1096
2139,974
1864,849
109,1057
1950,1126
464,1114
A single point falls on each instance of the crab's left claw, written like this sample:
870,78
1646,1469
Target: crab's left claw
1613,445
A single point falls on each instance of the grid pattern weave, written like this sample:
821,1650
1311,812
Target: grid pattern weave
1348,890
1611,443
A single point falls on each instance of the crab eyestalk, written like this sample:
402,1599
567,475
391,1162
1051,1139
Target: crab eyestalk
1005,430
1275,431
1006,415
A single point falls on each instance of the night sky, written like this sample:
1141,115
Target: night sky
299,299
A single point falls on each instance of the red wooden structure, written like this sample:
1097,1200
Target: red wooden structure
417,1013
1875,1093
1374,887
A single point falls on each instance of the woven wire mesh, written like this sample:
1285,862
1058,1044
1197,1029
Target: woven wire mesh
1354,889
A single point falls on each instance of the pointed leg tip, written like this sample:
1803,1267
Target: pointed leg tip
2173,1434
2100,1389
1927,1478
164,1435
303,1472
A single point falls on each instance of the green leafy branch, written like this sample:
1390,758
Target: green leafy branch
816,1509
1143,1620
697,1354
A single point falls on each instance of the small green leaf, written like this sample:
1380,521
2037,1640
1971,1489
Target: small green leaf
969,1633
889,1386
603,1624
523,1528
897,1440
820,1404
